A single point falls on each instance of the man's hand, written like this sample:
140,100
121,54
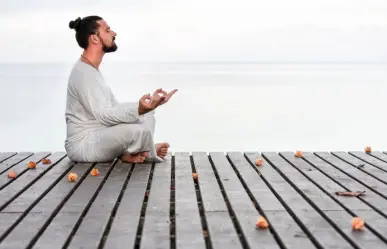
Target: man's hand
167,95
148,103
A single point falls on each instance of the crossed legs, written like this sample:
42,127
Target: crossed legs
132,143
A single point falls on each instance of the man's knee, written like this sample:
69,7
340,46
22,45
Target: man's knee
138,130
149,117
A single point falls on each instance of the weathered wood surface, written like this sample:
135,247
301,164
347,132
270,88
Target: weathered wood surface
163,206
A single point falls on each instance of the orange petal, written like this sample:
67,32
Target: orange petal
357,223
259,162
11,174
195,176
72,177
262,222
94,172
32,165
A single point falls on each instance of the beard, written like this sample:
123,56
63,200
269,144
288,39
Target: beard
111,48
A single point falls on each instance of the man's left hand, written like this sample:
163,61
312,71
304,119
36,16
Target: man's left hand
167,95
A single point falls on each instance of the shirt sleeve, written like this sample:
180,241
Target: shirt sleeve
94,96
115,102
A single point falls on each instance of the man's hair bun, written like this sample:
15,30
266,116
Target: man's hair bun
75,23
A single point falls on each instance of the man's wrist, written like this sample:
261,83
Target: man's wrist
143,110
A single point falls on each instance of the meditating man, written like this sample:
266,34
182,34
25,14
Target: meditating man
99,128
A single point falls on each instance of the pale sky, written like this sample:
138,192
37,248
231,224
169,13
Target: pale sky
201,30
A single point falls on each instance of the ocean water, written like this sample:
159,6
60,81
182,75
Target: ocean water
219,106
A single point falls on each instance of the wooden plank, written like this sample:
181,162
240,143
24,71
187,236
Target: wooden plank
21,168
23,204
21,183
244,210
123,229
40,187
367,168
27,231
9,162
189,233
220,226
62,225
321,230
370,160
322,192
91,230
285,226
7,219
157,221
368,181
6,155
379,155
346,182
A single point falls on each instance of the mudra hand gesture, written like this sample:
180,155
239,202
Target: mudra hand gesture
148,103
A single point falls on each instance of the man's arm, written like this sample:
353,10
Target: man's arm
116,103
95,99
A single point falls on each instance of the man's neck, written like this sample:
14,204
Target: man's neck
93,57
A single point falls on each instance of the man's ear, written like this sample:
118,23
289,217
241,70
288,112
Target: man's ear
94,39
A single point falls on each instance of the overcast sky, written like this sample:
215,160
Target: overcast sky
202,30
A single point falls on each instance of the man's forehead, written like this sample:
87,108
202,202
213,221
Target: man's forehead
103,24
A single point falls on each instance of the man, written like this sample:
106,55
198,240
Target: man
99,128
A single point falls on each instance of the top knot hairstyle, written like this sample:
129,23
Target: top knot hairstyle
84,28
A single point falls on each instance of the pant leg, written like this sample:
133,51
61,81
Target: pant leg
108,143
150,122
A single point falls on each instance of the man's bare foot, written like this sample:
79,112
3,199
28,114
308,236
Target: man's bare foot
133,158
162,149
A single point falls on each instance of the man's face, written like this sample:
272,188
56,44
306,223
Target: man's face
107,37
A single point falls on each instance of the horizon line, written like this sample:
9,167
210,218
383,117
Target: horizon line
204,62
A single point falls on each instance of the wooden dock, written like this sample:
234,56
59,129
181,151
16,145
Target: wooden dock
163,206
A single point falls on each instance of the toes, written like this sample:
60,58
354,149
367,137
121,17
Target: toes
140,159
144,154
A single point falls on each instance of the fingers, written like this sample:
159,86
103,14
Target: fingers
160,90
145,97
156,93
143,100
172,92
158,99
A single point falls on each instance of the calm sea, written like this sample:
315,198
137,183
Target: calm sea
219,106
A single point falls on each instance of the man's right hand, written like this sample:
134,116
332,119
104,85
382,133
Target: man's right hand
148,103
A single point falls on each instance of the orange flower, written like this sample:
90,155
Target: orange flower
195,176
32,165
298,153
46,161
261,223
11,174
259,162
94,172
367,149
72,177
357,223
